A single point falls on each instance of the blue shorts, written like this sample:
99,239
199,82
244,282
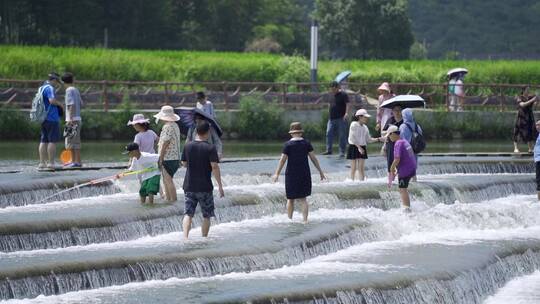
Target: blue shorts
50,132
206,199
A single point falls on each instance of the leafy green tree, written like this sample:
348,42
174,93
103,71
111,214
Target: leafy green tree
364,28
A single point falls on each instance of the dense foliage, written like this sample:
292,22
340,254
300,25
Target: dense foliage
98,64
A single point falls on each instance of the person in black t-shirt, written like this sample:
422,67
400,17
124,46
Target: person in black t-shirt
337,120
395,120
201,160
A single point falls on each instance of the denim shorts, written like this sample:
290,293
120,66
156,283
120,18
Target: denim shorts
206,199
50,132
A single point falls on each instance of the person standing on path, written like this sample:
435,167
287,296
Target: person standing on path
383,114
339,108
201,160
297,175
403,165
205,105
537,160
169,150
73,120
524,129
50,128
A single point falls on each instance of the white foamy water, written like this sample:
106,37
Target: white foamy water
522,290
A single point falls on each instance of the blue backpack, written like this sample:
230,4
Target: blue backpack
39,113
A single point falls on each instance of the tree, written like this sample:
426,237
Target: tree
364,28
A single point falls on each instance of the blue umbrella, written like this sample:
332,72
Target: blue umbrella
342,76
187,119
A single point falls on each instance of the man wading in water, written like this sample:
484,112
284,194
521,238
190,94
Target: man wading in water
201,160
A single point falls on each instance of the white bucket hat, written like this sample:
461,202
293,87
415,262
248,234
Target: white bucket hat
362,112
167,114
138,119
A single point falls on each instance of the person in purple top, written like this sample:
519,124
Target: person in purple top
404,164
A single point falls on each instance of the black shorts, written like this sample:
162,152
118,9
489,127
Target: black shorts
50,132
404,182
537,176
171,166
353,153
205,199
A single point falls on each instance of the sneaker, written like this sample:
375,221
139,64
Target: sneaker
72,165
41,166
67,165
326,153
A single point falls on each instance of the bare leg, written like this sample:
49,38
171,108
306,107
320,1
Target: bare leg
353,168
305,209
205,226
76,155
151,199
51,151
143,199
516,149
361,163
404,193
42,150
170,189
186,224
538,195
290,208
531,146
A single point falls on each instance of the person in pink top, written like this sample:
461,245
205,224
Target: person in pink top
383,114
404,165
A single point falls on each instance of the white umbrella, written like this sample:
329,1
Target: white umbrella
457,70
404,101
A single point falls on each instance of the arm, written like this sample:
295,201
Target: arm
217,175
281,163
348,107
315,161
217,142
162,152
395,163
527,103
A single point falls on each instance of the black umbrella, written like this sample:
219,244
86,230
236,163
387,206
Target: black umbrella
404,101
187,119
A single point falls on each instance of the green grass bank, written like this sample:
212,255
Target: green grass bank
29,62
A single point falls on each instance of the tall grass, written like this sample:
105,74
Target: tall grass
26,62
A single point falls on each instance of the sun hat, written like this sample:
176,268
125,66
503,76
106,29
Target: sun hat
138,119
384,87
131,147
296,127
362,112
391,129
167,114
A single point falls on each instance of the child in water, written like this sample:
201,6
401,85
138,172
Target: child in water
150,177
358,138
297,175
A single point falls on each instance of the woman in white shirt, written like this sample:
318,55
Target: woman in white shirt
358,138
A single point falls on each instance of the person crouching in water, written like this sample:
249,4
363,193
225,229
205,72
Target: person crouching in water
403,164
358,138
201,160
150,177
297,175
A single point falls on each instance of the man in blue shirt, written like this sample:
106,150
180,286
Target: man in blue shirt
50,128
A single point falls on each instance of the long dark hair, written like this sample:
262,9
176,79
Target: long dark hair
523,89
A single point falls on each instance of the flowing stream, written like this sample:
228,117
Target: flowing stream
473,236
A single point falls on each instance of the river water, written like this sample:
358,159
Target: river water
473,237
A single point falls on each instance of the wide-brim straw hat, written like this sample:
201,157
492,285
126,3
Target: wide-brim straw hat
296,127
138,119
384,87
167,114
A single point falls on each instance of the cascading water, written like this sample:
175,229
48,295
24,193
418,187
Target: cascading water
475,227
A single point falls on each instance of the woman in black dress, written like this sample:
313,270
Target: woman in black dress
297,175
525,128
